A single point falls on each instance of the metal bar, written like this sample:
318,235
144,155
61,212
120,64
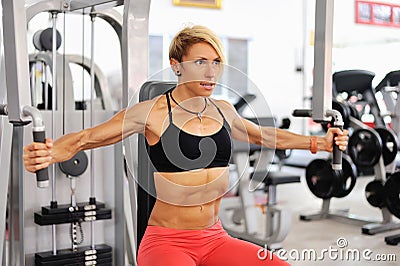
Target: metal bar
134,47
114,18
5,161
82,4
16,58
322,87
103,88
92,95
134,56
42,6
396,118
119,194
68,6
53,119
65,82
16,232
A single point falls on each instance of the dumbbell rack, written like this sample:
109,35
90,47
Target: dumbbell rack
369,226
390,85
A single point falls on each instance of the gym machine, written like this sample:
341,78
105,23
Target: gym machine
15,71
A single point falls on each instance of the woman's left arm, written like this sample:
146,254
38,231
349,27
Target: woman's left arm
245,130
289,140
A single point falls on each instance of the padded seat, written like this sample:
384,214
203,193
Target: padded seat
350,80
274,178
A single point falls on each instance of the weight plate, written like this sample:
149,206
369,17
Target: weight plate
375,193
46,39
320,178
392,191
346,179
390,144
76,165
365,147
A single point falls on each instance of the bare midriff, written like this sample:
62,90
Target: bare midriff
190,199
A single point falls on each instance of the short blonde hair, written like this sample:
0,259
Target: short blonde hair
191,35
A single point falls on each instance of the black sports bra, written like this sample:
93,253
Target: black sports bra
179,151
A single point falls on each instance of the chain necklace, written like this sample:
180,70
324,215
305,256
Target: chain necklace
199,114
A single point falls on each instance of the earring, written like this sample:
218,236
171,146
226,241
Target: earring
178,73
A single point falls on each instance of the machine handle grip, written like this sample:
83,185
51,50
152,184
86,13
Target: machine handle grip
42,175
337,154
302,113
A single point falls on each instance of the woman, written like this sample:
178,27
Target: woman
189,143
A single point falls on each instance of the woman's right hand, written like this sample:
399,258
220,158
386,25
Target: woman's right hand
38,155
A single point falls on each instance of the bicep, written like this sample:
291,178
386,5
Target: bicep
123,124
246,130
134,119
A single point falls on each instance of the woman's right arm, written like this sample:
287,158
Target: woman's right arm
121,125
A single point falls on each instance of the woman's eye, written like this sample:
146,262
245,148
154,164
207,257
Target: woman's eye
216,63
199,62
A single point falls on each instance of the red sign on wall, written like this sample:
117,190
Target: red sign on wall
374,13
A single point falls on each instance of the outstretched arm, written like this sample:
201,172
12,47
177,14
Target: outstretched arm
123,124
245,130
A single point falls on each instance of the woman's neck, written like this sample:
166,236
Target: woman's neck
187,99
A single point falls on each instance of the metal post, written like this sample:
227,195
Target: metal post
119,218
135,35
16,232
16,58
5,156
92,81
322,87
53,119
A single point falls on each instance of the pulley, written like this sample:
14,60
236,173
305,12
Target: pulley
43,39
75,166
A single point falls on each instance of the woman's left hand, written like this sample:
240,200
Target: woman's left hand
337,136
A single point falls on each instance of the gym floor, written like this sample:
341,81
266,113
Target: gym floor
324,234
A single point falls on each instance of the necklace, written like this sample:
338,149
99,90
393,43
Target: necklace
199,114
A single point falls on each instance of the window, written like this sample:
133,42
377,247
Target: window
377,13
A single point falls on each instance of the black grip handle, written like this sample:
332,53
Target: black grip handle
302,113
42,175
337,154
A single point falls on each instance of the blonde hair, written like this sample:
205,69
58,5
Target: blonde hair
190,35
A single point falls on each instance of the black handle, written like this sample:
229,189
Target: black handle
337,154
42,175
302,113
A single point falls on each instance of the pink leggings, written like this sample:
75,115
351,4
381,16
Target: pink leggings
207,247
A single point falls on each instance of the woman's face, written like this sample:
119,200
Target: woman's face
200,69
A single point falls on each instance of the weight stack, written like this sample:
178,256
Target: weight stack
101,255
63,214
83,212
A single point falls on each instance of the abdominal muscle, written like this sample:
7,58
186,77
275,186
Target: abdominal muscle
190,199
